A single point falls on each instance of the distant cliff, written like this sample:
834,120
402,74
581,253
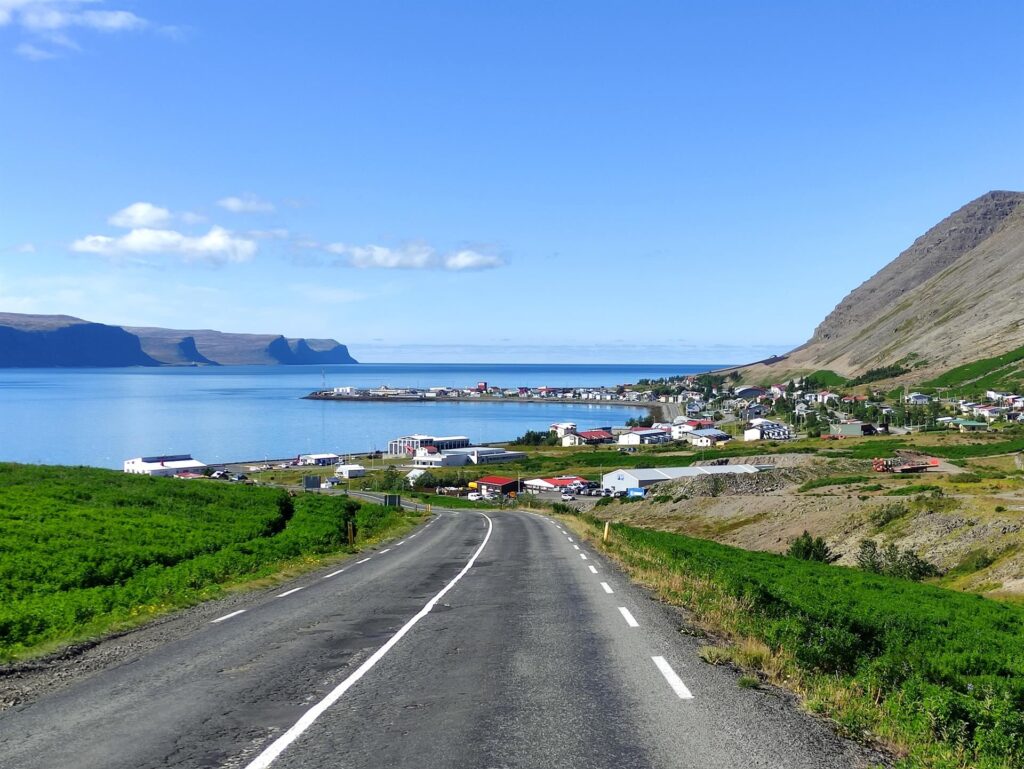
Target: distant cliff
61,340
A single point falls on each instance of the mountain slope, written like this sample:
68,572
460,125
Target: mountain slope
954,296
61,340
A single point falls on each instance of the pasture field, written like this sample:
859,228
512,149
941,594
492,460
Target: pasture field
935,673
84,550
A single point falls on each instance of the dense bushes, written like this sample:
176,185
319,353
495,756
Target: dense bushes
943,669
84,549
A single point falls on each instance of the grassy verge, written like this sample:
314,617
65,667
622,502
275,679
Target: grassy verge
832,480
89,551
937,675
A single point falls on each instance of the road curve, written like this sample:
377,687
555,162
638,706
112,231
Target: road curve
535,654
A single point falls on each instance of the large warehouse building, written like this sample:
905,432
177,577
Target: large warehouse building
620,480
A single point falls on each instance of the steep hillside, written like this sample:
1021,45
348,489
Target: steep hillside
954,296
39,341
61,340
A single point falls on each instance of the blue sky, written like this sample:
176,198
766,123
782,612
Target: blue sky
501,181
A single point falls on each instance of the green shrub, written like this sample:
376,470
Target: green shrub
831,480
808,548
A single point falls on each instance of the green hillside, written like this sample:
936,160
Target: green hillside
85,550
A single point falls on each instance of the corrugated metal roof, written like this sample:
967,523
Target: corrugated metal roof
671,473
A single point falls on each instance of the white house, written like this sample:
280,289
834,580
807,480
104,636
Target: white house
644,437
318,460
707,438
917,399
167,465
765,429
350,471
562,429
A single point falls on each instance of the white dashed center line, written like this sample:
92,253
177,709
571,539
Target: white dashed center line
227,616
332,574
584,557
385,551
289,592
362,561
628,617
577,547
400,543
607,587
593,569
569,538
413,536
673,680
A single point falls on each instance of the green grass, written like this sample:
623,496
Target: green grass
86,550
987,449
939,672
916,488
962,375
827,378
832,480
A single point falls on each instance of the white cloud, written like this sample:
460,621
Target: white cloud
25,248
471,260
416,256
246,204
216,246
190,217
47,21
32,53
141,215
409,257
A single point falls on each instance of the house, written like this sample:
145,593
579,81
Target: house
990,413
642,437
349,471
707,438
318,460
588,438
753,411
414,475
497,484
852,428
562,429
765,429
968,425
620,480
917,399
998,396
165,465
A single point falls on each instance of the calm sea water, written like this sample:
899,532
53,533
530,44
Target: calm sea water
101,417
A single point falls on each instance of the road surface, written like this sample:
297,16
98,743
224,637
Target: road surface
479,640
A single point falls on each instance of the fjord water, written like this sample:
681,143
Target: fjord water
101,417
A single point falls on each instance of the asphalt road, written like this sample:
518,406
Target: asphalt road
477,641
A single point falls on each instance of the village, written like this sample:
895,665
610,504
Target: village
696,413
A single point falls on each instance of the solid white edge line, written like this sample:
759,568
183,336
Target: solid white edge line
362,561
227,616
607,588
673,680
584,557
593,569
275,749
332,574
289,592
628,617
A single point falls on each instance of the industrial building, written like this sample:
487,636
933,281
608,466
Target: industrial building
429,456
408,444
318,460
350,471
167,465
620,480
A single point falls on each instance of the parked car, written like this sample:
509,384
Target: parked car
567,497
474,496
